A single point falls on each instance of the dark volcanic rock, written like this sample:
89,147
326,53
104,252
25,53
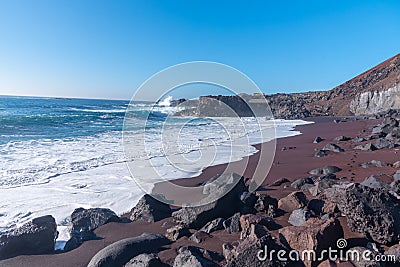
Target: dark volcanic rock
120,252
331,176
341,138
266,203
35,237
213,226
371,211
149,209
302,181
176,232
145,260
225,207
325,170
244,252
232,224
374,182
366,147
321,153
257,225
318,140
199,237
359,139
293,201
195,257
330,169
248,199
316,171
298,217
396,176
333,148
383,143
279,182
84,221
320,207
321,186
374,163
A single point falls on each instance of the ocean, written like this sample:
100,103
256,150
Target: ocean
61,154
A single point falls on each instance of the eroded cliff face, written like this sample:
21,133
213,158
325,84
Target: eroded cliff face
373,102
369,93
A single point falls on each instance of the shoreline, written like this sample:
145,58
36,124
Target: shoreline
71,185
288,163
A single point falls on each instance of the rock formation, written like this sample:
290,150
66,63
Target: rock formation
35,237
375,90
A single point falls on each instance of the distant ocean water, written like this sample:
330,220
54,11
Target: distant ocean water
61,154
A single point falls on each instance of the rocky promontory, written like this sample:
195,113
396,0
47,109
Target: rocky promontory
374,91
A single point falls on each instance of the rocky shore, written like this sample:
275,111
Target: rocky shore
339,180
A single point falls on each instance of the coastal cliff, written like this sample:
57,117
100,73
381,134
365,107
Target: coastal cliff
376,90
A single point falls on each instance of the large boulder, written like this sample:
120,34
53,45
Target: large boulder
293,201
122,251
232,224
251,252
35,237
222,200
375,212
315,234
193,257
84,221
149,209
145,260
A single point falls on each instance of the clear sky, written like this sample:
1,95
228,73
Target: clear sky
106,49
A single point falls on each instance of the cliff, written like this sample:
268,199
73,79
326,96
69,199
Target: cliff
375,90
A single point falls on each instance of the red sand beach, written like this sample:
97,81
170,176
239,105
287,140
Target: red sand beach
290,163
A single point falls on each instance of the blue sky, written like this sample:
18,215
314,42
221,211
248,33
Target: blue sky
106,49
